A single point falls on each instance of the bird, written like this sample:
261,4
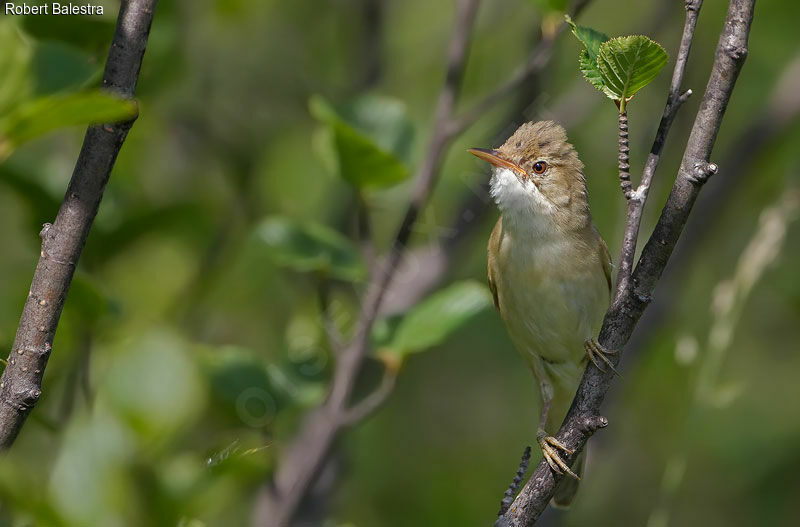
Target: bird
549,273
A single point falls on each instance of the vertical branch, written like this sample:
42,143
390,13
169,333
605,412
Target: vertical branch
637,199
623,159
583,417
307,452
63,241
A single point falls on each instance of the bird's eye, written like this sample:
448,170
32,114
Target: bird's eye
539,167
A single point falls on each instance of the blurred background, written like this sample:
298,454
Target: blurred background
191,344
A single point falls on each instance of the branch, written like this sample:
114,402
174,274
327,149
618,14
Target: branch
63,241
373,401
537,60
778,114
630,303
511,491
307,452
637,199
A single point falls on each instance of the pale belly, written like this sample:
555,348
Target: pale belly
551,302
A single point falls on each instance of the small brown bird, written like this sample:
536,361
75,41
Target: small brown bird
549,272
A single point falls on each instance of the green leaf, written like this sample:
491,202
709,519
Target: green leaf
587,61
15,57
435,318
310,247
368,138
628,64
57,67
590,71
590,38
45,114
154,382
88,33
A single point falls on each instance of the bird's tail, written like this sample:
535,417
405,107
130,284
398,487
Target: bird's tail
568,486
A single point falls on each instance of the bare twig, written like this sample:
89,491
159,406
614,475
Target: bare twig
636,199
537,60
511,491
332,333
307,452
431,262
629,304
369,404
780,112
63,241
623,160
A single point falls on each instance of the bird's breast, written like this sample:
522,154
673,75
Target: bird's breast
552,293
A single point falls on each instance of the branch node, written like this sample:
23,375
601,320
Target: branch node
735,52
701,172
508,497
45,229
590,425
693,5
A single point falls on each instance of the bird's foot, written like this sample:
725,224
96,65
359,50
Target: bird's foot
599,355
550,447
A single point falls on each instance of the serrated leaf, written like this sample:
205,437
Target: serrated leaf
39,116
628,64
435,318
368,138
310,247
590,38
590,71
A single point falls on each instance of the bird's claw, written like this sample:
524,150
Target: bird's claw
598,353
550,447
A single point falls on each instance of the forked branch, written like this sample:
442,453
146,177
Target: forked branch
632,297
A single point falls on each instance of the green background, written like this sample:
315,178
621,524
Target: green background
184,341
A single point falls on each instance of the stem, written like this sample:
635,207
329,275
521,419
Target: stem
627,308
63,241
624,156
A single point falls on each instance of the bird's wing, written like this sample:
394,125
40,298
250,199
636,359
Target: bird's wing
605,258
494,245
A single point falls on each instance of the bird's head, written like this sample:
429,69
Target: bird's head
537,172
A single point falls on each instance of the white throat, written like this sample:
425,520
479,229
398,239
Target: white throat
518,199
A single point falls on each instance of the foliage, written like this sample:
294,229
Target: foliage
179,305
435,318
366,139
310,247
24,117
621,66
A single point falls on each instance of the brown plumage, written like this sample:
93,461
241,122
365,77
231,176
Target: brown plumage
549,269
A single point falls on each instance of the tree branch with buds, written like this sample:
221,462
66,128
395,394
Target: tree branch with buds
630,301
63,241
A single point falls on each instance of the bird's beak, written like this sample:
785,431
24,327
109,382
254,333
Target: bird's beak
494,157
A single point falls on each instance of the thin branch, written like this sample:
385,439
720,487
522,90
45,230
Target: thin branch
623,160
626,310
369,404
307,452
780,112
511,491
537,60
636,200
63,241
332,333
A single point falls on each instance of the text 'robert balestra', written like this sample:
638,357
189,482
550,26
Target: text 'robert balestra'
53,8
